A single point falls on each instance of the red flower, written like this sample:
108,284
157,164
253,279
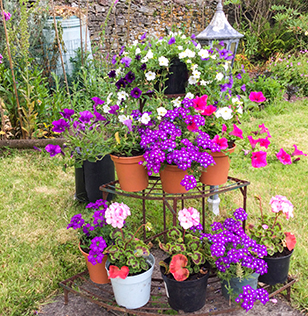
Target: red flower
177,267
297,152
221,142
258,159
115,272
253,142
283,157
209,110
290,241
199,104
257,97
236,132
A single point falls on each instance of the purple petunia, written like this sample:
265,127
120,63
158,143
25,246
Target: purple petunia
85,116
67,113
128,123
239,76
60,126
114,59
121,83
171,41
243,87
142,37
143,67
136,93
112,74
113,109
126,61
138,57
129,77
53,149
99,117
122,50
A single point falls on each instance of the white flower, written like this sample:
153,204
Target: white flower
235,100
219,76
239,109
189,95
149,54
194,67
125,53
150,75
138,51
118,71
183,55
188,61
203,53
122,95
225,113
192,80
144,59
123,118
180,47
163,61
177,102
106,108
135,42
109,99
190,53
203,82
213,56
161,111
196,74
145,118
226,66
183,36
198,46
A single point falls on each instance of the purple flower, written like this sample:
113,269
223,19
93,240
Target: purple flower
221,43
143,36
67,113
122,50
85,116
143,67
189,182
114,59
113,109
1,59
193,36
130,77
53,149
121,83
112,74
99,116
225,54
98,244
171,41
128,123
126,61
98,204
7,15
136,93
194,42
138,57
97,101
95,257
76,222
38,149
59,126
239,76
243,87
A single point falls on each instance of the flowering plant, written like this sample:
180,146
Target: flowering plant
126,254
85,135
184,247
269,231
94,235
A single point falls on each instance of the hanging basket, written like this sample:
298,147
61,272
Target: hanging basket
171,177
217,174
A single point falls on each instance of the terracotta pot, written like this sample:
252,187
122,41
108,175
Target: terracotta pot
98,273
132,176
217,174
171,178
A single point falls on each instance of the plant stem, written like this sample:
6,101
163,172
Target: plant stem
261,210
184,230
134,234
275,220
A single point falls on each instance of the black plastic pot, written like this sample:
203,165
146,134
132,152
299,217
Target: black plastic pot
188,295
91,176
277,271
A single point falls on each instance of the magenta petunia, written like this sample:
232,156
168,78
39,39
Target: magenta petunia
97,100
85,116
53,149
297,152
236,132
283,157
263,130
223,128
253,142
257,97
67,113
221,142
60,126
258,159
99,116
264,142
209,110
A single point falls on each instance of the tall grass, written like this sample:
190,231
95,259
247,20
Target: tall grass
37,201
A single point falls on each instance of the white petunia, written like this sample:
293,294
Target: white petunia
135,42
198,46
194,67
177,102
196,74
226,66
188,61
239,109
180,48
149,54
161,111
145,118
163,61
118,72
190,53
192,80
219,76
144,59
123,118
122,95
189,95
106,108
213,56
203,53
234,100
150,75
225,113
182,55
183,36
138,51
203,82
109,99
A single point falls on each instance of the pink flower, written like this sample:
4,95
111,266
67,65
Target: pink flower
199,104
264,142
283,157
236,132
221,142
253,142
280,203
257,97
209,110
7,15
264,129
189,217
192,127
258,159
223,128
264,227
297,152
116,214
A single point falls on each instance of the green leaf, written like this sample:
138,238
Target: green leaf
111,249
174,233
142,251
133,262
197,258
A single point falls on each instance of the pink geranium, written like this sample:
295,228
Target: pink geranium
257,97
199,104
189,217
280,203
236,132
297,152
209,110
258,159
116,214
221,142
283,157
264,142
253,142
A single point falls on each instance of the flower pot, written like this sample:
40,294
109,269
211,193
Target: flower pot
133,291
237,285
171,177
132,176
90,177
98,273
187,295
217,174
277,269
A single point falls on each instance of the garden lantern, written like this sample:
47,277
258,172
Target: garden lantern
220,30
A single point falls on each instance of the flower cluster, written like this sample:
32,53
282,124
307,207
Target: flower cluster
235,253
268,230
116,214
7,15
250,296
94,234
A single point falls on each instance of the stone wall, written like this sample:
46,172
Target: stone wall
129,19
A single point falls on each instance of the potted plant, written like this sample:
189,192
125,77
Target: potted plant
237,258
130,264
280,244
85,148
185,271
94,236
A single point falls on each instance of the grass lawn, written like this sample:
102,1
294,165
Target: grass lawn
36,204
